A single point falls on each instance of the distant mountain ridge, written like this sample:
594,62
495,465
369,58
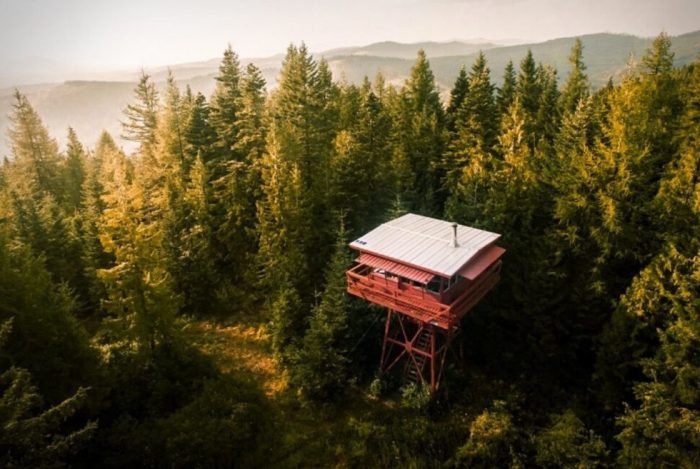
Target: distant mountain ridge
90,106
399,50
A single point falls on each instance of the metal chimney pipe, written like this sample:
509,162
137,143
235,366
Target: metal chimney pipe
454,235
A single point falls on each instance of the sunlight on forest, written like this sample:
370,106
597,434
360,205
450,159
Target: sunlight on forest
186,304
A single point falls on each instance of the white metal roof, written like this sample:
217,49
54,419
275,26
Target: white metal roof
425,243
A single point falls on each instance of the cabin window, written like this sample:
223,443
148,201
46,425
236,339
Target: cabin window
385,274
434,285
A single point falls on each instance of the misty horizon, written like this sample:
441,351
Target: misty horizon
74,38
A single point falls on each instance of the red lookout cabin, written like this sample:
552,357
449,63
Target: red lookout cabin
429,273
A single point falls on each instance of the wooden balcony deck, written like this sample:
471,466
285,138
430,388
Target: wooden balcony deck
419,303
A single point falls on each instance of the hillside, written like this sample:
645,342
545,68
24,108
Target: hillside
91,106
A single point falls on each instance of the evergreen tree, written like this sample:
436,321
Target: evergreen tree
73,172
142,116
320,366
459,92
631,333
283,220
35,190
253,131
94,256
506,93
139,288
528,90
33,437
659,58
475,133
199,135
195,270
576,87
290,212
223,113
677,203
495,193
360,162
548,116
662,428
419,139
36,164
295,175
171,131
46,339
238,190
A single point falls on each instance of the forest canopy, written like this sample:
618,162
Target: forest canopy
235,211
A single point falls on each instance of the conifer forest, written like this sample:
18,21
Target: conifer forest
184,304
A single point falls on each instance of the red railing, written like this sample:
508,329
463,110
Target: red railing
420,304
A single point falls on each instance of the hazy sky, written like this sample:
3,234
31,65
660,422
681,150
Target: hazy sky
116,34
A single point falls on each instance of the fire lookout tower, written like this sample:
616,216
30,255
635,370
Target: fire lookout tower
429,273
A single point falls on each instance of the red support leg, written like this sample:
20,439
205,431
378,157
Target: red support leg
433,383
387,326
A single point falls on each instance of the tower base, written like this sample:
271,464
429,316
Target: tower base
421,347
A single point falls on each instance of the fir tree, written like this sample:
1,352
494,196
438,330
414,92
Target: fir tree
662,429
36,191
73,172
198,134
576,87
320,366
548,115
237,191
659,59
475,133
528,90
506,93
223,115
36,162
142,116
138,286
458,94
359,166
33,437
419,139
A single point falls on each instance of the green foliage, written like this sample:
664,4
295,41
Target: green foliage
139,289
360,172
492,440
39,336
567,443
663,427
419,138
32,437
320,367
226,425
416,397
46,339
